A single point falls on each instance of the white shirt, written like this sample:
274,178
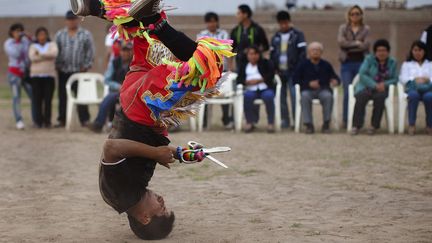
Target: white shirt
252,73
412,70
283,58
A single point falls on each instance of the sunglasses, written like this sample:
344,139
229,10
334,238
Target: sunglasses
355,14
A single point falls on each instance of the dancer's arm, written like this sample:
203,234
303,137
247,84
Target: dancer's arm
117,149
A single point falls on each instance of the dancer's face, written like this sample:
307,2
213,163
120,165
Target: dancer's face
150,205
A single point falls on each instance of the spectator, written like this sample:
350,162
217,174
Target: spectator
16,48
42,55
353,39
112,45
377,73
212,21
416,75
288,49
316,78
258,77
114,78
246,34
426,38
76,53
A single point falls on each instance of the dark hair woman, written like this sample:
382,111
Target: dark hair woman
416,76
42,54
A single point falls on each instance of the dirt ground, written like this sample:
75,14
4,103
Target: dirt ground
279,188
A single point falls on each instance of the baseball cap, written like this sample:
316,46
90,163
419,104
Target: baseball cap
70,15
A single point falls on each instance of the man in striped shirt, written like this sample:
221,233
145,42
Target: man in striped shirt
76,54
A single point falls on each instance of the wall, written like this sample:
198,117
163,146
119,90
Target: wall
400,27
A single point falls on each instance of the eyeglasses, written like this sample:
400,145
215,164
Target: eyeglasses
355,14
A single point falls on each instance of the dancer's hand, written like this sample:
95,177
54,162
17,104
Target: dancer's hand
164,155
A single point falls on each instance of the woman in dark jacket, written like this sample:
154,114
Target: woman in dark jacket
258,78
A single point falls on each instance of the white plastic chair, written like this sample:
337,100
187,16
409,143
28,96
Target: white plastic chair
87,93
389,107
298,115
278,115
228,96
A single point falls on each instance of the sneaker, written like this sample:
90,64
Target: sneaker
229,126
271,129
86,7
371,131
20,125
355,131
309,129
144,8
249,128
96,128
411,130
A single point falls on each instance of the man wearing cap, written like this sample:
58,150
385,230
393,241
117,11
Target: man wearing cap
114,76
76,54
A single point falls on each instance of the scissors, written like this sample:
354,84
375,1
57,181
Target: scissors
196,152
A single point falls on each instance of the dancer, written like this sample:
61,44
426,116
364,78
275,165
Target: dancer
170,75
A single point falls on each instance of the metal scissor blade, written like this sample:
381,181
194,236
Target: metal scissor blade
216,150
217,161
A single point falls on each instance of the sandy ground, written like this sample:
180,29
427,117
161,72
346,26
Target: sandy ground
279,188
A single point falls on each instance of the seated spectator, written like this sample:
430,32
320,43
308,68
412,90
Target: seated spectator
377,73
114,78
211,19
316,78
416,75
43,54
258,77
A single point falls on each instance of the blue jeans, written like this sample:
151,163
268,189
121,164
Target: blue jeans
252,110
414,97
16,82
348,72
106,106
287,84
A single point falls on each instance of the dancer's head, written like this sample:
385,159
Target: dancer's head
72,21
149,219
244,13
284,20
212,21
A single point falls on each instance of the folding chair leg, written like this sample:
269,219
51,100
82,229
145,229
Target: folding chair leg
69,114
193,124
402,111
201,115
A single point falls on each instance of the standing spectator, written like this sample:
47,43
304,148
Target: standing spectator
258,77
16,48
114,77
377,73
112,45
288,49
246,34
76,53
42,55
316,78
353,39
416,75
212,21
426,38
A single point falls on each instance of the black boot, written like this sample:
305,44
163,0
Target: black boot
309,128
326,127
87,7
144,8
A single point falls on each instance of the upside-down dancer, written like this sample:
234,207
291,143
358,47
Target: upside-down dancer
169,76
